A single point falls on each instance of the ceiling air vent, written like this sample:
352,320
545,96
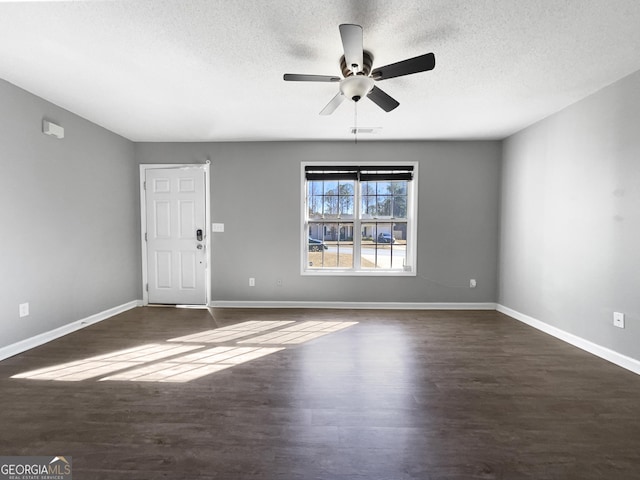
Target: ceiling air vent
366,130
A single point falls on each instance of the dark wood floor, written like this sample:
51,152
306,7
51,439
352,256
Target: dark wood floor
400,395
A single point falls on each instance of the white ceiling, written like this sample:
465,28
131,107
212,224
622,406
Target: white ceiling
211,70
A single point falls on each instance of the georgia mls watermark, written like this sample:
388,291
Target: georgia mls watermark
35,468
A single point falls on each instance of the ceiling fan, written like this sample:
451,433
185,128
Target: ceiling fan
359,79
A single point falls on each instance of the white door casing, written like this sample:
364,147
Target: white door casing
175,234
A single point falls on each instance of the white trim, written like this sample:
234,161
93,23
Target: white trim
598,350
42,338
207,230
354,305
335,272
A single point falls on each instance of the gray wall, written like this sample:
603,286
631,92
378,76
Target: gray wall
570,222
69,241
569,217
256,194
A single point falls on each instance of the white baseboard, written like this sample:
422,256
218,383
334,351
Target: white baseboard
36,341
354,305
614,357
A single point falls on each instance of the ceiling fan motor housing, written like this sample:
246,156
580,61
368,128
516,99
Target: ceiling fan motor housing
364,69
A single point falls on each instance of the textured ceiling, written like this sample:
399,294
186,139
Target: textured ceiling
211,70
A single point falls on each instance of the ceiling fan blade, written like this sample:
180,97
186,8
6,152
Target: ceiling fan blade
352,43
294,77
421,63
333,104
383,100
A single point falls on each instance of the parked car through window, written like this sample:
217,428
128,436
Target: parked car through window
316,245
386,238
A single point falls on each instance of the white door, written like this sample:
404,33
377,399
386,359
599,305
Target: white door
176,235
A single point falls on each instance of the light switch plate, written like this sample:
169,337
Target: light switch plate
618,319
217,227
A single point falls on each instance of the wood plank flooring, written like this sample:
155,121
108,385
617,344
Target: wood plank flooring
399,395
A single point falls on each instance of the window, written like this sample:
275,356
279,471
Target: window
359,219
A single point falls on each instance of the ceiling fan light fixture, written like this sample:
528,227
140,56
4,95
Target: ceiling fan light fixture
356,87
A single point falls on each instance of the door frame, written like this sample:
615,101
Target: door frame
143,226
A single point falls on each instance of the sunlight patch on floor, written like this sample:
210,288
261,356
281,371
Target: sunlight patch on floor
107,363
170,362
299,333
194,365
231,332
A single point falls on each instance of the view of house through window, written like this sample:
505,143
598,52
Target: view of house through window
359,218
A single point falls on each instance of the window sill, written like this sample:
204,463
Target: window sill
357,273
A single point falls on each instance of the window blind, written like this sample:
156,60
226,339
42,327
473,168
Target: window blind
370,173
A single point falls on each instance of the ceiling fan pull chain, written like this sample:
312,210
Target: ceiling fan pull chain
355,121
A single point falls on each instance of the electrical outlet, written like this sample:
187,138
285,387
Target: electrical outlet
472,283
23,308
618,319
252,282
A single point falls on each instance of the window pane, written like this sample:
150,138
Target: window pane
399,206
346,207
368,206
383,188
368,188
331,188
383,207
315,206
330,245
399,188
368,245
400,232
331,206
399,191
399,246
383,245
346,200
315,187
346,187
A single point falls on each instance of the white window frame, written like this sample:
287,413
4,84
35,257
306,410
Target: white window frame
412,227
